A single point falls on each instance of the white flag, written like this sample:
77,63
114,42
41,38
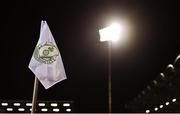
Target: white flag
46,62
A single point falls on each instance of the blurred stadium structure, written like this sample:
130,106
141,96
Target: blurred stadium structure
162,95
15,106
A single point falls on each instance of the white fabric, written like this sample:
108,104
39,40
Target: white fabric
47,74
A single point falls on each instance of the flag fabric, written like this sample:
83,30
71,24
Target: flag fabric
46,62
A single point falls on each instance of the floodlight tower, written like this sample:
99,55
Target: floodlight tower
111,34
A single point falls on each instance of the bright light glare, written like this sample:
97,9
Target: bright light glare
41,104
68,110
167,103
54,104
21,109
44,109
66,104
161,106
4,104
174,100
156,109
162,75
28,104
17,104
55,110
111,33
171,66
9,109
147,111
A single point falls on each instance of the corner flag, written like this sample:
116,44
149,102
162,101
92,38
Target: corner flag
46,62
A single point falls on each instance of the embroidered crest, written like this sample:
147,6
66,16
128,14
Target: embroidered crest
46,53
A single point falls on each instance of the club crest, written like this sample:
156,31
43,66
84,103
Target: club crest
46,53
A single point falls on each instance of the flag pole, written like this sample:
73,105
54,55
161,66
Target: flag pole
35,94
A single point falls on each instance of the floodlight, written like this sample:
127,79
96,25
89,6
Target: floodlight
44,109
68,110
147,111
54,104
4,104
21,109
173,100
66,104
156,109
161,106
167,103
17,104
111,33
56,110
41,104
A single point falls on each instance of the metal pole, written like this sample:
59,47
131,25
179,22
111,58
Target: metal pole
35,94
109,77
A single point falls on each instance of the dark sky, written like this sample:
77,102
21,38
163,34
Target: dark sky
154,43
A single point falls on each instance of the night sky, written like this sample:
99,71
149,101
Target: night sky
153,43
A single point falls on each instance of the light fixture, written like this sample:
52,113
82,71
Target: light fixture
167,103
174,100
9,109
162,75
28,104
44,109
4,104
56,110
170,66
66,104
147,111
111,33
17,104
161,106
156,109
21,109
68,110
41,104
54,104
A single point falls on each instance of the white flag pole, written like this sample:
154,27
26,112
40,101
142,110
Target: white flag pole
35,94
